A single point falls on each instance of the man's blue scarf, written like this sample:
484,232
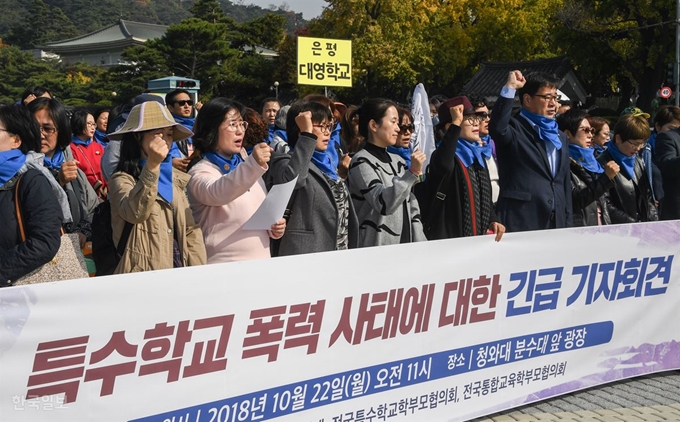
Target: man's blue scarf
547,127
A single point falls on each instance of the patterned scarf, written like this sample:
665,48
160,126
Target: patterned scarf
56,161
10,163
547,128
165,179
226,165
586,158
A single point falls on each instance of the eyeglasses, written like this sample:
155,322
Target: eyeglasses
474,119
407,128
234,125
548,98
48,130
91,124
182,103
328,127
587,129
637,145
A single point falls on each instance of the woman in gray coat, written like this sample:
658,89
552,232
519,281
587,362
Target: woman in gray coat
320,215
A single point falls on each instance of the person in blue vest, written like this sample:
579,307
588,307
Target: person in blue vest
181,107
533,155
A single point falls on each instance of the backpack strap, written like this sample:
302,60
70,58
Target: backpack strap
124,237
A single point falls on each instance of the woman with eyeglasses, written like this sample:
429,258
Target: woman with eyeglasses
55,137
380,184
88,152
601,134
320,215
226,186
150,213
590,180
457,200
630,199
41,209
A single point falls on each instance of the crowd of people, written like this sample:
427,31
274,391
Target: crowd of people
181,179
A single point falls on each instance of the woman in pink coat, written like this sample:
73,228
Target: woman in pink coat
226,186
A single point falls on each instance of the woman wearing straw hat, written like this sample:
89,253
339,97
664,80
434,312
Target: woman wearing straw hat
146,191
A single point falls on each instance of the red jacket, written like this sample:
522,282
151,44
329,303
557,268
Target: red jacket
89,156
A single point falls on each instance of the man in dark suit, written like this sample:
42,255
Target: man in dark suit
533,156
667,155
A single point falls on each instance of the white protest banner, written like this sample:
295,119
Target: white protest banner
469,327
423,135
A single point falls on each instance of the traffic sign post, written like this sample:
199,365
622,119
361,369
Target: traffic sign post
665,92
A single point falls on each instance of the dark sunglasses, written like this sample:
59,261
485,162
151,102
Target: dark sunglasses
182,103
403,128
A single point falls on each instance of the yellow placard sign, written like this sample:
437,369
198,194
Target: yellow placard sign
324,62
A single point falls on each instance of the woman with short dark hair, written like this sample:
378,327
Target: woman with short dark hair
226,186
41,210
88,152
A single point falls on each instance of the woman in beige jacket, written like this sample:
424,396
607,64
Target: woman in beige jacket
148,193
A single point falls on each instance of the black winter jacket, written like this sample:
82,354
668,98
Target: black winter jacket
42,218
630,201
588,190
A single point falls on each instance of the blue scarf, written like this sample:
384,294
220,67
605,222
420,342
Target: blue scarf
547,128
324,163
333,145
469,151
586,158
187,122
652,141
165,179
270,134
10,163
598,149
101,138
403,152
627,163
76,140
56,161
226,165
487,148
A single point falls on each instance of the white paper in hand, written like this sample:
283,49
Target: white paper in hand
272,208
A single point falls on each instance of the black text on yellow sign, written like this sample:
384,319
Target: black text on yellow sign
324,62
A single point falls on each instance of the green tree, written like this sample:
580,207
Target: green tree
209,11
620,46
139,65
46,24
197,49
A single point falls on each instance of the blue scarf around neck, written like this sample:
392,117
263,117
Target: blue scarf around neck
586,158
56,161
226,165
325,164
281,133
469,151
627,163
187,122
165,179
403,152
76,140
10,163
487,147
598,149
547,128
101,138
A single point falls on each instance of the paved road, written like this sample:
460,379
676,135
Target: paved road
648,398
